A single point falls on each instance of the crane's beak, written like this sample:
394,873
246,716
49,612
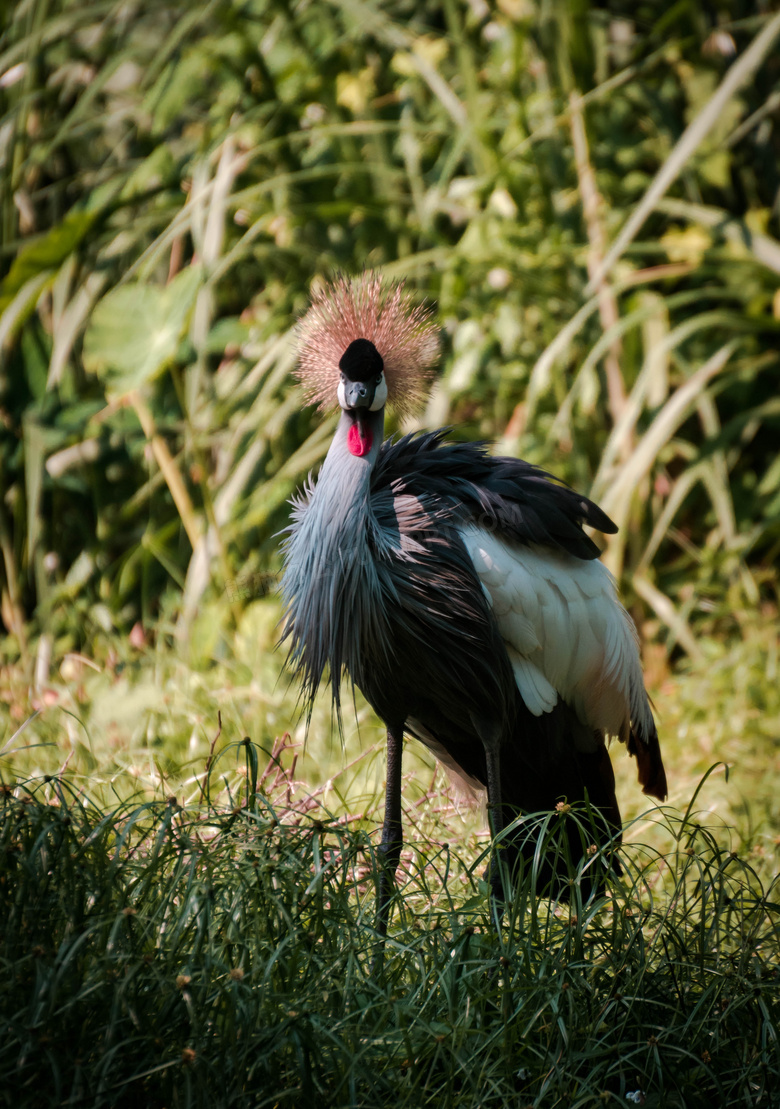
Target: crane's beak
358,394
363,403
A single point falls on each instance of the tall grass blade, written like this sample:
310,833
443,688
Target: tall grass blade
738,74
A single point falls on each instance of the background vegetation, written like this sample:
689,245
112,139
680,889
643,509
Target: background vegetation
590,196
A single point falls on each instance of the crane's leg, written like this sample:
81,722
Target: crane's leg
491,741
496,818
392,829
495,808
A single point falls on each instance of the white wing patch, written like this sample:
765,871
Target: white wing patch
566,632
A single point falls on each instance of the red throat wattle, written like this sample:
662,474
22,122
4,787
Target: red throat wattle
359,440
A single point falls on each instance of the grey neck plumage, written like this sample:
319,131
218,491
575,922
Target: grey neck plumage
330,583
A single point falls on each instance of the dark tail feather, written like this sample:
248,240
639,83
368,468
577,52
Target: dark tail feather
652,776
543,767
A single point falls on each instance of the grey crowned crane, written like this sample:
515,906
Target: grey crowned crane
456,590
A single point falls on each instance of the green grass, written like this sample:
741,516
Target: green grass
220,954
187,917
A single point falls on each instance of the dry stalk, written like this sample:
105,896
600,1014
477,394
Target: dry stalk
597,240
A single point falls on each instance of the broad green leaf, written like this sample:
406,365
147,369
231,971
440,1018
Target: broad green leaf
135,330
45,254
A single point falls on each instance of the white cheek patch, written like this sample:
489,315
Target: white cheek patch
380,396
342,395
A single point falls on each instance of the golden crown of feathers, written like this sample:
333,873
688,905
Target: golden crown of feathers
367,307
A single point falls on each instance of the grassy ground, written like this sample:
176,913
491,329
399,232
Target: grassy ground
185,922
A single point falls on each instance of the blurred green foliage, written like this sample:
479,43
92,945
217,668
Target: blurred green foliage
174,176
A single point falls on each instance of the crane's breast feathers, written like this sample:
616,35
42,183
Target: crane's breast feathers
566,633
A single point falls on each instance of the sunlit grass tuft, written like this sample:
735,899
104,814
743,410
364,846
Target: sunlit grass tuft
223,953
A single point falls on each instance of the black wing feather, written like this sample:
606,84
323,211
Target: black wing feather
508,495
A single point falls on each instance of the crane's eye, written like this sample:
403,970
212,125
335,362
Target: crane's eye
343,377
379,379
